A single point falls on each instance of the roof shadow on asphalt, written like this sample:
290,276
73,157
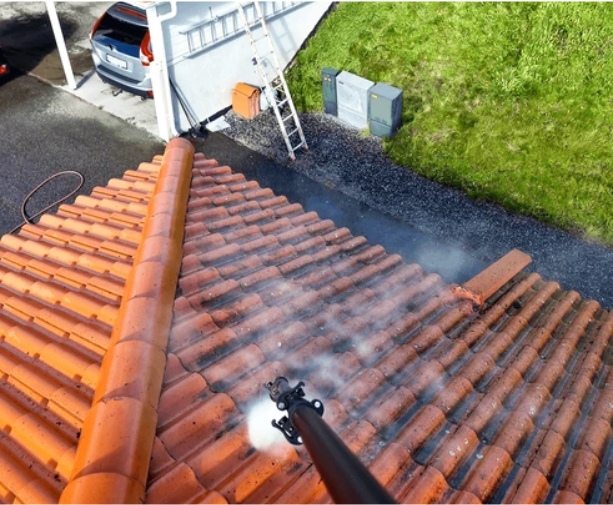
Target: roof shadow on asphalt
27,40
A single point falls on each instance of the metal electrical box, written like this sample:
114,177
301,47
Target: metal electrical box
352,95
328,80
384,109
246,100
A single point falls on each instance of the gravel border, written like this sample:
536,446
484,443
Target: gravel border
343,158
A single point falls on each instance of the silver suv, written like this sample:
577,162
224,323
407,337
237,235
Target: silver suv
121,48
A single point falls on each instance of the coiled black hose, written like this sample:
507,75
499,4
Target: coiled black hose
28,220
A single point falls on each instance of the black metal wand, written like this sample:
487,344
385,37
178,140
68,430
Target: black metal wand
345,477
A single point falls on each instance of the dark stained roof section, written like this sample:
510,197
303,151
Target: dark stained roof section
497,390
138,326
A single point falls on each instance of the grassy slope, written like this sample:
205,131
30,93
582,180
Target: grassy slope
513,102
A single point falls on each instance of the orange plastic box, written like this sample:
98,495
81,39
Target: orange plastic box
246,100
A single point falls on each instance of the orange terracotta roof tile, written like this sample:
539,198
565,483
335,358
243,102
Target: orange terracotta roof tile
62,281
484,285
21,478
336,293
126,399
498,390
189,489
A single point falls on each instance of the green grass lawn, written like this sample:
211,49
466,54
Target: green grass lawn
512,102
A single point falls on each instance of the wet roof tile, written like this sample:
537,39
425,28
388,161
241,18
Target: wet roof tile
494,391
469,391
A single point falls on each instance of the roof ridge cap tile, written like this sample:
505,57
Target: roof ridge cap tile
116,443
483,285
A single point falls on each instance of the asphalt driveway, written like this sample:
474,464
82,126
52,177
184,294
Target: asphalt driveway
44,130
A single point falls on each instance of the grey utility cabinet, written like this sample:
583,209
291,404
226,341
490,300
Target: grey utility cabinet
352,94
328,81
384,109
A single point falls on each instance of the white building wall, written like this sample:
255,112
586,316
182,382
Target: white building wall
204,72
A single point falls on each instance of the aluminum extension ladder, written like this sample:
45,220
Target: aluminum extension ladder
275,85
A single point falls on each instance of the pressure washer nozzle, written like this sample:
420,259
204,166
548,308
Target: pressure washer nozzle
290,398
277,388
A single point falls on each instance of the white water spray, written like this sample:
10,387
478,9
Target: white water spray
262,435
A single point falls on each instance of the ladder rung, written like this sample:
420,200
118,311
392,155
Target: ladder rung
271,78
295,148
282,102
295,130
287,117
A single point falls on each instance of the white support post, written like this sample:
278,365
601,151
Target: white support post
61,43
160,81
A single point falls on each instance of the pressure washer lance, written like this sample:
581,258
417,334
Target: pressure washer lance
345,477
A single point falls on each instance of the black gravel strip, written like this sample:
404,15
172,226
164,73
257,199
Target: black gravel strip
340,157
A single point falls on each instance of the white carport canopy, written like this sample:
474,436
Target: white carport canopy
201,51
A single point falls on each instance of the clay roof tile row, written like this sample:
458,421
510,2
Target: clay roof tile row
381,332
62,282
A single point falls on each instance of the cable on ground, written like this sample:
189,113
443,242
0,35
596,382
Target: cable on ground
28,220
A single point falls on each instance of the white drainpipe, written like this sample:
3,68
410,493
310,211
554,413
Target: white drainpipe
61,44
159,72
